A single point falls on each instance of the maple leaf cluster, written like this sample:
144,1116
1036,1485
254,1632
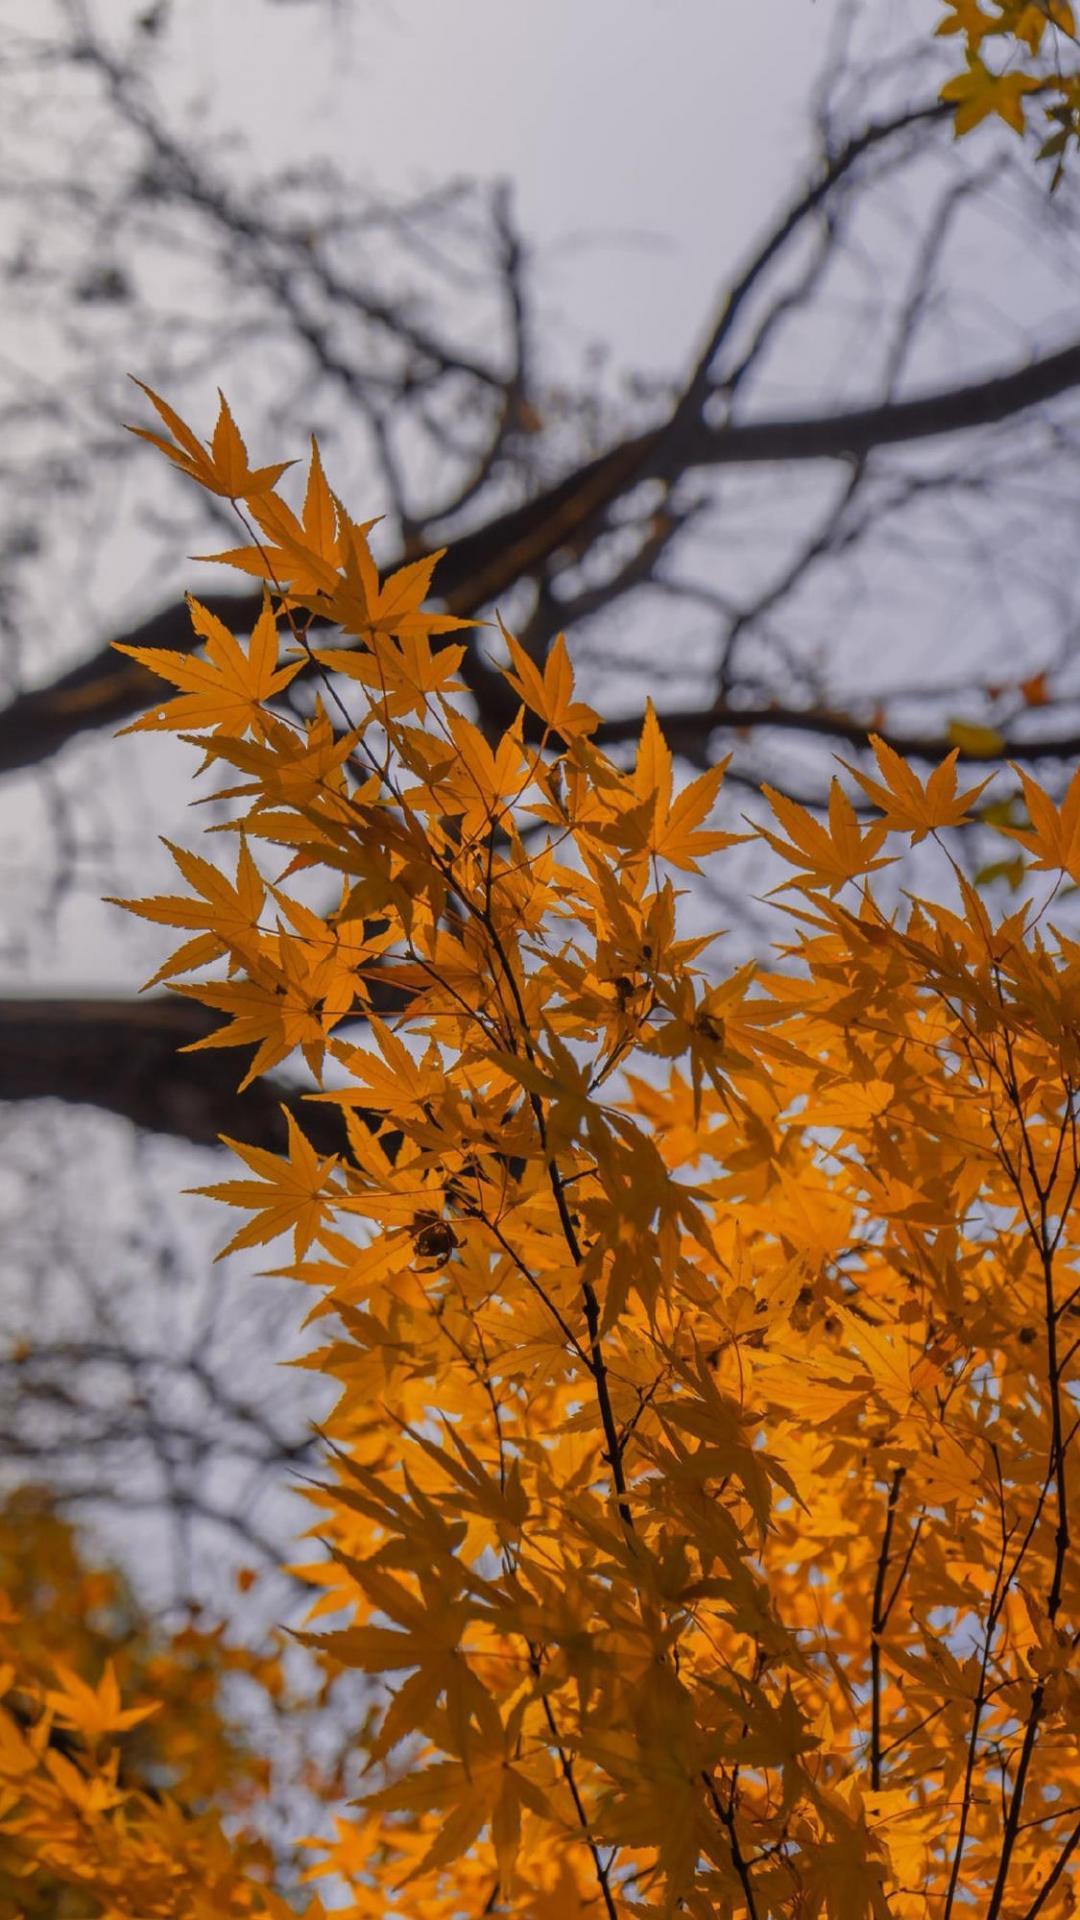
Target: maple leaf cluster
1018,50
700,1497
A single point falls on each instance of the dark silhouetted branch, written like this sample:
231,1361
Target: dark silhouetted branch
107,690
122,1055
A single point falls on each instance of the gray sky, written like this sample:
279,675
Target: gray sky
647,140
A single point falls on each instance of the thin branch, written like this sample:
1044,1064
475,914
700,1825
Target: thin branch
878,1618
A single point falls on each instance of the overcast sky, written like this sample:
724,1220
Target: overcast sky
647,140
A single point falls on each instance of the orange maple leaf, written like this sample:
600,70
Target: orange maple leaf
289,1196
1054,835
910,805
829,856
551,696
223,692
222,466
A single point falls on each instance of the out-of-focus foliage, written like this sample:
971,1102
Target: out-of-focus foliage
1019,51
118,1761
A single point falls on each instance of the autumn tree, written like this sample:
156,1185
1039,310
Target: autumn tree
699,1492
655,1659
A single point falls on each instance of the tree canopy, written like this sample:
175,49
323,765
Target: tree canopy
698,1489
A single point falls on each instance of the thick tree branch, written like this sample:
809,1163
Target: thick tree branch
482,565
122,1055
685,728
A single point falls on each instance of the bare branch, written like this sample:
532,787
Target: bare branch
482,565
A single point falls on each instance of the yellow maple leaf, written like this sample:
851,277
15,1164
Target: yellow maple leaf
974,738
978,93
228,914
552,695
362,605
968,18
492,1788
1029,20
664,827
401,674
302,555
